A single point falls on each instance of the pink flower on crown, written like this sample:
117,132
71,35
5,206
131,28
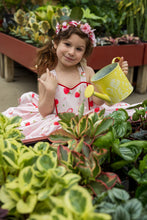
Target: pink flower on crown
65,26
85,28
74,23
57,28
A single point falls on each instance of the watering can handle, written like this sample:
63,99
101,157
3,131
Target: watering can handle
115,58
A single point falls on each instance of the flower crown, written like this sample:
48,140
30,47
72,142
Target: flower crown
85,28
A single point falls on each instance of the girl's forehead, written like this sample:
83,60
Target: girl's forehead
76,38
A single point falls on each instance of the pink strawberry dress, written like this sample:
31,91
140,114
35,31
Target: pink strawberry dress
33,125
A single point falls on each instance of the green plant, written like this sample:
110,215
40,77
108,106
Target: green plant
34,186
119,205
134,17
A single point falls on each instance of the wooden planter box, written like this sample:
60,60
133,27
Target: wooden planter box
12,49
103,55
17,50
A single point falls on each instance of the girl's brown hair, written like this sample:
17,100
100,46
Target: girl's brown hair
46,56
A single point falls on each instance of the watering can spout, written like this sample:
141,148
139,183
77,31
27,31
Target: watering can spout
89,91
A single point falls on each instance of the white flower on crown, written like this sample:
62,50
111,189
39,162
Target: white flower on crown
85,28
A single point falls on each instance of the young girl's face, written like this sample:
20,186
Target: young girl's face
70,51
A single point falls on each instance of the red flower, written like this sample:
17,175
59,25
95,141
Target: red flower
97,109
66,90
116,109
56,123
28,123
77,94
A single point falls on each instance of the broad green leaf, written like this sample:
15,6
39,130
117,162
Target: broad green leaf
26,179
13,133
141,193
119,164
78,200
10,158
71,179
138,176
82,125
105,141
98,216
104,126
47,161
134,208
60,136
143,164
40,147
66,117
5,198
81,111
27,206
121,213
116,194
119,115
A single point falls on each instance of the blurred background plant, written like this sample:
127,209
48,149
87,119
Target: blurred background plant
114,21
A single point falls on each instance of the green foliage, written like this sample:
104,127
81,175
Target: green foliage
118,204
56,180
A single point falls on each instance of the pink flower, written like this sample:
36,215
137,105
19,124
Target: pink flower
85,28
64,26
74,23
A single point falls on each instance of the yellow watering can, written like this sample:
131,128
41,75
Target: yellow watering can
111,82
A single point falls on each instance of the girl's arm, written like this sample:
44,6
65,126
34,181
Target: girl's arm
47,88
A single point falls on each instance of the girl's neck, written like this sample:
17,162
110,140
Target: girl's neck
68,77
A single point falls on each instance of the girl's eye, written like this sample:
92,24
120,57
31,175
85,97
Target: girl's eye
79,49
67,44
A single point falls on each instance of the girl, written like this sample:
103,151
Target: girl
64,76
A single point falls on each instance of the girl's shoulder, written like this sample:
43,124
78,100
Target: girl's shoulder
89,72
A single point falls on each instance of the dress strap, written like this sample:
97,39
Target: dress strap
82,74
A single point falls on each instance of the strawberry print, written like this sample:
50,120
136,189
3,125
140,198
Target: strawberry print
97,109
56,123
66,90
77,94
28,123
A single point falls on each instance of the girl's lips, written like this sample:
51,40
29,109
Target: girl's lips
68,58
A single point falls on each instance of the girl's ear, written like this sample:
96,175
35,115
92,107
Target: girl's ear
54,45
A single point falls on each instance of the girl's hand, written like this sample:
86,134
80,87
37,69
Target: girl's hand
124,65
49,82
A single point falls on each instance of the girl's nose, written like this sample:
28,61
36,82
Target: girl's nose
71,51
